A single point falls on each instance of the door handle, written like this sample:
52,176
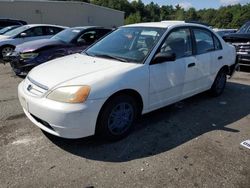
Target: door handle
191,65
220,57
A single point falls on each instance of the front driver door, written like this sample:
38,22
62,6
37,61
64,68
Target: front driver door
34,33
167,79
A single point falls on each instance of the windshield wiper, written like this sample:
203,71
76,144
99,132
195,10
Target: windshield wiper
111,57
88,54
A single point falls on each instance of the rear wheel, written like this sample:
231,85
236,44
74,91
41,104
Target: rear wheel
117,117
219,83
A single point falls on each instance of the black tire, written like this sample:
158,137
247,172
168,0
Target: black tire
219,83
5,47
113,124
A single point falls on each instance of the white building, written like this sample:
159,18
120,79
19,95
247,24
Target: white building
61,12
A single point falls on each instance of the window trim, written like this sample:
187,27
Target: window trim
215,37
212,35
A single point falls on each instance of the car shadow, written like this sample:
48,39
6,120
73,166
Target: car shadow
167,128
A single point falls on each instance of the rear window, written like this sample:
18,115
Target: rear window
52,30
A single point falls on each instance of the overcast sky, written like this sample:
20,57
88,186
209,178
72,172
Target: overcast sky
198,4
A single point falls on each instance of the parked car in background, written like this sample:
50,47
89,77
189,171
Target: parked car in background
8,28
4,22
10,39
69,41
134,70
224,32
241,41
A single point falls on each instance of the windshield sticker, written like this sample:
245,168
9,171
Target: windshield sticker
76,31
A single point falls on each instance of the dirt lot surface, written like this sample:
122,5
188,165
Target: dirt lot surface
194,143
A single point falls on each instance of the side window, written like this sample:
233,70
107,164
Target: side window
178,42
102,32
52,30
204,41
88,37
217,44
34,32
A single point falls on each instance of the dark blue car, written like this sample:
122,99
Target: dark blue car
69,41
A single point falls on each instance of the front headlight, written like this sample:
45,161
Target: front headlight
28,55
70,94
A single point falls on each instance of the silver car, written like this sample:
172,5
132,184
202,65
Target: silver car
9,40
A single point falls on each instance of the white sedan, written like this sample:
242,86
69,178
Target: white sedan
10,39
134,70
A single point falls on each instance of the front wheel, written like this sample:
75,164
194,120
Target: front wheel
5,50
219,83
117,117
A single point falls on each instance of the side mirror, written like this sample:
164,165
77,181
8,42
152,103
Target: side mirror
81,42
22,35
163,57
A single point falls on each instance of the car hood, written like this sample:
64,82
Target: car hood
237,37
37,44
61,70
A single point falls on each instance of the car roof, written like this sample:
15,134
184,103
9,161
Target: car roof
49,25
87,27
13,20
165,24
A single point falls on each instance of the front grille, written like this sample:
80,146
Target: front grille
46,124
242,48
34,88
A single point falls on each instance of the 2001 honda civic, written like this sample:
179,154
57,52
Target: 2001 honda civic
134,70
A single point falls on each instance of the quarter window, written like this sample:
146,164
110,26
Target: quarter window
204,41
217,44
52,30
178,42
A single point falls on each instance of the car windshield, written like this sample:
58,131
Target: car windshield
127,44
67,35
17,31
245,28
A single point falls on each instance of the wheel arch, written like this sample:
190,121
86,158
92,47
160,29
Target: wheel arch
130,92
11,45
225,68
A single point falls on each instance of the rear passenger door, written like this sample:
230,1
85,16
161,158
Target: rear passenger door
204,45
218,57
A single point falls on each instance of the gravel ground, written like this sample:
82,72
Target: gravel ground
193,143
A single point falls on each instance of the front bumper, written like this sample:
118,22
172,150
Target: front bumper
244,59
60,119
20,66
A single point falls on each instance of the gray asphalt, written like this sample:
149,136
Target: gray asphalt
194,143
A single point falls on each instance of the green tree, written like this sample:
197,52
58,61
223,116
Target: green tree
133,18
191,14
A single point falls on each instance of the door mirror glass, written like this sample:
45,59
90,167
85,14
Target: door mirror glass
164,57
